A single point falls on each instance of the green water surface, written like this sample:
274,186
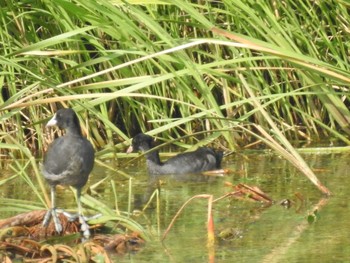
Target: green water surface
260,233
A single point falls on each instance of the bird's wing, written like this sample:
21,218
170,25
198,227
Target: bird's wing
66,168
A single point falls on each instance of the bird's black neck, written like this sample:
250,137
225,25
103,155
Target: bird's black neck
74,130
153,157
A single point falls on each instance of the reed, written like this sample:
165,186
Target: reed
175,69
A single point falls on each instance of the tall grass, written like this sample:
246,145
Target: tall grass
172,68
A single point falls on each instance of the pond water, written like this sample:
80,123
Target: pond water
259,233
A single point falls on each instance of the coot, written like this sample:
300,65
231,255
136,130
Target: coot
68,161
203,159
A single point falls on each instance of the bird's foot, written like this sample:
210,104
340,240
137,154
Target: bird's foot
52,213
84,226
73,217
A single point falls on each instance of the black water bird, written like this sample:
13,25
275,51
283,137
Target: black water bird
68,161
203,159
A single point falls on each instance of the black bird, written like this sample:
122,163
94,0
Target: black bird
203,159
68,161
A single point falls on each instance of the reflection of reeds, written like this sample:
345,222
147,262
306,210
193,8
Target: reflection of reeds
210,224
282,248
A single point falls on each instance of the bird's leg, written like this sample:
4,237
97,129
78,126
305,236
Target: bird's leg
47,218
84,227
52,213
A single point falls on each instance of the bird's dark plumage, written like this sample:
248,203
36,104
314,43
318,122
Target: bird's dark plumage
70,158
203,159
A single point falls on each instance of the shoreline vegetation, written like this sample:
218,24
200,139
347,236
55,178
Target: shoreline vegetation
180,70
225,73
231,74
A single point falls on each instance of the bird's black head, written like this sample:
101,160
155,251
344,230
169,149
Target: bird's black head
66,119
141,142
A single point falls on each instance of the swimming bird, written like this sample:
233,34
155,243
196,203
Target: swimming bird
203,159
68,161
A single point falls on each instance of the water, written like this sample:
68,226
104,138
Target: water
260,233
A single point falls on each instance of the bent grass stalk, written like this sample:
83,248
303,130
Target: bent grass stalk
210,221
289,152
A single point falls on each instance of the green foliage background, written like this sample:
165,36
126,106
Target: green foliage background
175,69
227,72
